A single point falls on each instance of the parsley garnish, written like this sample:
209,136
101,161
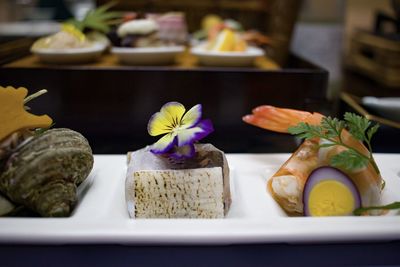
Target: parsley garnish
331,129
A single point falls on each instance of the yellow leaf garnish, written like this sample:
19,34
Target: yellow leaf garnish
13,116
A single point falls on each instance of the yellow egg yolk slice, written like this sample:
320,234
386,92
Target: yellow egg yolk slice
331,198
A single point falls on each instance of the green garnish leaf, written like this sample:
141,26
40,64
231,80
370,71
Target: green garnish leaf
357,125
299,128
331,129
327,145
305,130
371,131
392,206
349,160
98,19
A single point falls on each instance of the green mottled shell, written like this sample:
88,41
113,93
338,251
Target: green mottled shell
43,174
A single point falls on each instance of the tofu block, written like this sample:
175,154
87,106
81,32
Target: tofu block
158,187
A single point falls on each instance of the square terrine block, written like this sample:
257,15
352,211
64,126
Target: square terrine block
158,187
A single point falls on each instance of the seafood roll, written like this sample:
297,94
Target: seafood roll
287,184
332,146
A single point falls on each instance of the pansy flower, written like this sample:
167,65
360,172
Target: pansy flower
180,129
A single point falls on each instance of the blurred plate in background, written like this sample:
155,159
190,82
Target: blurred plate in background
70,55
147,55
227,59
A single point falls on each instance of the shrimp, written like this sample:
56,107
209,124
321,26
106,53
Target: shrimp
287,184
280,119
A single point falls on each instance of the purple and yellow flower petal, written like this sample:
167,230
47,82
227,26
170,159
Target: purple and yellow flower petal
173,112
164,144
189,136
167,119
158,124
192,117
207,127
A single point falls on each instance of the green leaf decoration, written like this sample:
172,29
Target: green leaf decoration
333,127
357,125
298,129
349,160
304,130
371,131
99,19
327,145
331,130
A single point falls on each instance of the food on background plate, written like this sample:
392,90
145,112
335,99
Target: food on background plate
172,28
331,170
68,38
151,30
224,43
211,24
226,40
139,33
228,35
224,36
177,177
40,168
77,34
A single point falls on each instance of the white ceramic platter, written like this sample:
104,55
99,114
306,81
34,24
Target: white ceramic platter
226,59
101,215
70,55
147,55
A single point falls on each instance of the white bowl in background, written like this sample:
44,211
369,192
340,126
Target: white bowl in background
227,59
147,55
70,55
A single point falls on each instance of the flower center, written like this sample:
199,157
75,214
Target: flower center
176,125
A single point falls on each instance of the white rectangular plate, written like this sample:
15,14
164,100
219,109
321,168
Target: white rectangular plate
101,215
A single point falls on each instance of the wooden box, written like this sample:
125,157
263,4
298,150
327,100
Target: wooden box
376,57
111,104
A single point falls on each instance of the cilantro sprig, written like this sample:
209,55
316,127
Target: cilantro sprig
330,130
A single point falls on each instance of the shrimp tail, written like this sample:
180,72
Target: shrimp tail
280,119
